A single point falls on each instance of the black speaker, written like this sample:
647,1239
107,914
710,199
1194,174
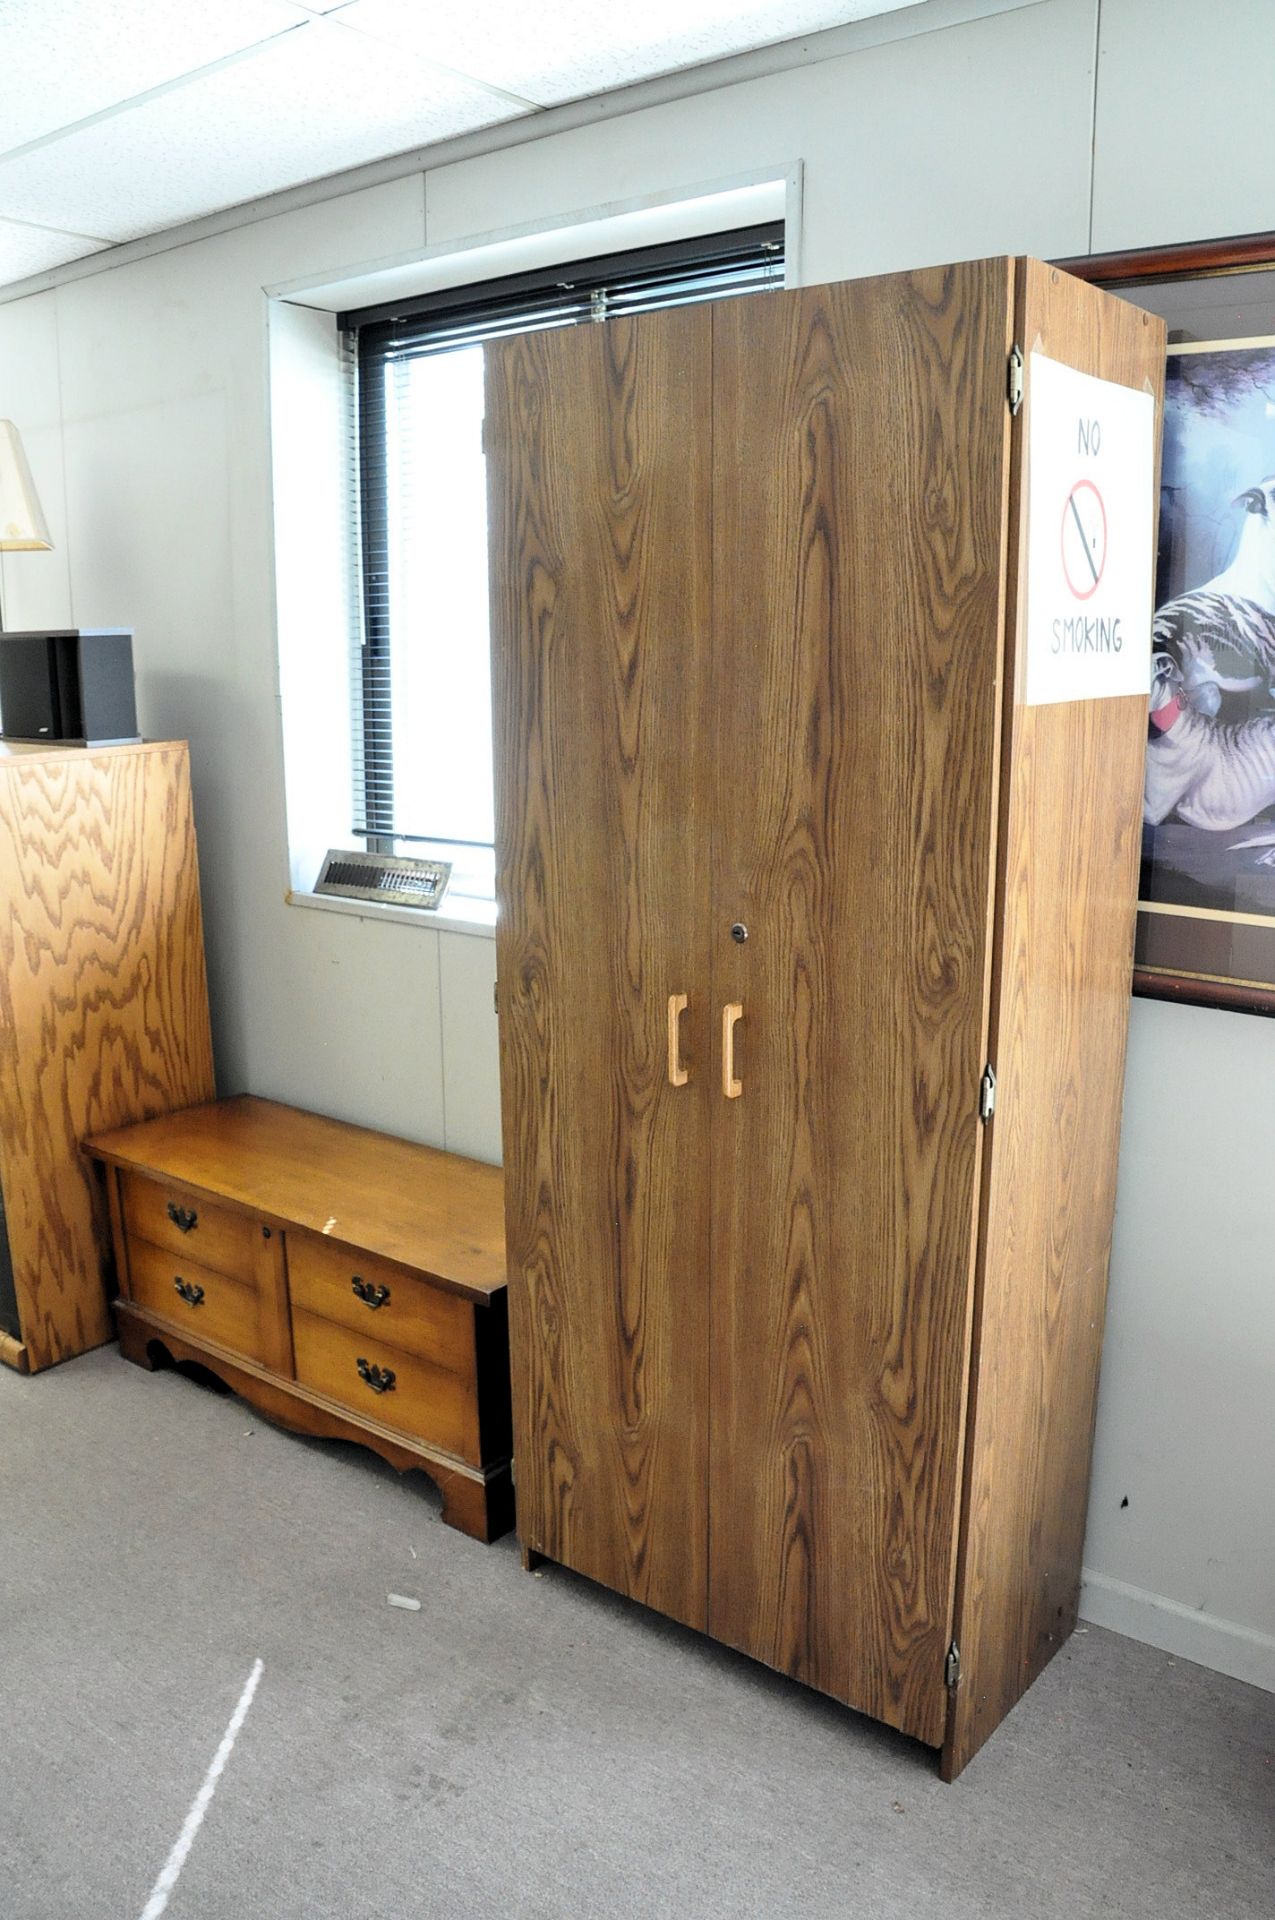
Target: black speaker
73,686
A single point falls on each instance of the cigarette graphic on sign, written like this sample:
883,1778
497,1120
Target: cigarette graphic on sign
1084,539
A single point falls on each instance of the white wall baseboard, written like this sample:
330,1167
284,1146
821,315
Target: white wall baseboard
1228,1648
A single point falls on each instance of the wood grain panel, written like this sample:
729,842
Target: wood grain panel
215,1236
860,474
103,1003
413,1315
433,1211
1071,826
598,444
226,1311
426,1398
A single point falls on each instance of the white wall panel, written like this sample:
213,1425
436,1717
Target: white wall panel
1182,146
35,588
471,1046
166,428
1181,1505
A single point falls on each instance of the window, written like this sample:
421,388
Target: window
421,690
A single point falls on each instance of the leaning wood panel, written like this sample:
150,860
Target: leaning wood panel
861,477
103,1004
598,458
1071,804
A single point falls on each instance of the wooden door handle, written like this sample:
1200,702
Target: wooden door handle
677,1074
731,1087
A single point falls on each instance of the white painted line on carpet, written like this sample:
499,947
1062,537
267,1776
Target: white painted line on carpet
203,1799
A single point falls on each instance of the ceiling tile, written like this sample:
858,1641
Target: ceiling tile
561,49
25,250
309,104
61,60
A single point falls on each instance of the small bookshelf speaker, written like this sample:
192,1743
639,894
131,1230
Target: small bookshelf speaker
72,686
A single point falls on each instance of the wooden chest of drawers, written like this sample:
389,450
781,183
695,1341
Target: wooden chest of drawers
349,1285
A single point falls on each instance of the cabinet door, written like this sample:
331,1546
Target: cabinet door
860,438
599,458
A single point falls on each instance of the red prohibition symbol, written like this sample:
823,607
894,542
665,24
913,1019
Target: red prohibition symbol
1084,539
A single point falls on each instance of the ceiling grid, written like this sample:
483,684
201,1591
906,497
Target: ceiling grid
120,122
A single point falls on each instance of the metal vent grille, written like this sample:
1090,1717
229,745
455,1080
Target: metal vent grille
398,882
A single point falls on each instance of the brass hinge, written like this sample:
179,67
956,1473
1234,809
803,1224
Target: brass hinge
952,1668
987,1093
1015,386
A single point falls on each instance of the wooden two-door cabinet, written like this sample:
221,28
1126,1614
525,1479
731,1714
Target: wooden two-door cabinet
814,953
103,1011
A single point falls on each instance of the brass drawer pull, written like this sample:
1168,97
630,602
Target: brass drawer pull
380,1379
371,1294
183,1218
190,1290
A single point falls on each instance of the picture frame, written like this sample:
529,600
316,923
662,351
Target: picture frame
1206,914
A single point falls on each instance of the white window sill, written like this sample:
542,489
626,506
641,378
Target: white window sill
461,915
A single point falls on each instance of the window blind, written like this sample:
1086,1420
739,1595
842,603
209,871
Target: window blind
420,692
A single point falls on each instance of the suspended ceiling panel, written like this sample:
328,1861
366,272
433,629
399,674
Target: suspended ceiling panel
122,117
570,48
25,250
61,60
307,104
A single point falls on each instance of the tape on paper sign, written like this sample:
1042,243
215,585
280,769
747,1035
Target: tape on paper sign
1091,481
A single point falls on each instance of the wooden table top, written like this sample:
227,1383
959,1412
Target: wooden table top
433,1211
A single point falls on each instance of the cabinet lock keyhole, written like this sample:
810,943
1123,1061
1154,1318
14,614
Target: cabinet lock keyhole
739,932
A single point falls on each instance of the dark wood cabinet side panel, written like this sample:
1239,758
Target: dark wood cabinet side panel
1070,836
861,478
598,444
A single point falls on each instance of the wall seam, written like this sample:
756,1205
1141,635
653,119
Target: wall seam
66,501
442,1040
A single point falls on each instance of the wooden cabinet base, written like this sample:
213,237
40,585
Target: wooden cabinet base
477,1502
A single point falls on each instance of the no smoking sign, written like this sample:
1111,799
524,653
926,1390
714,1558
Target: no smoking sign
1091,467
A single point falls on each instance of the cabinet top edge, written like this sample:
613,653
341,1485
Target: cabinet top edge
19,752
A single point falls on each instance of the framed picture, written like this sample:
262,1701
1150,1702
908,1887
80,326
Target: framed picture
1206,910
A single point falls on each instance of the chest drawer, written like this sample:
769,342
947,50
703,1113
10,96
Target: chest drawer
185,1225
213,1306
385,1383
381,1301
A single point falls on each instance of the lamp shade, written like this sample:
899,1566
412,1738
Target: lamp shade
23,526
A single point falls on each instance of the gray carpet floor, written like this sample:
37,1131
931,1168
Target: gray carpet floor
524,1746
